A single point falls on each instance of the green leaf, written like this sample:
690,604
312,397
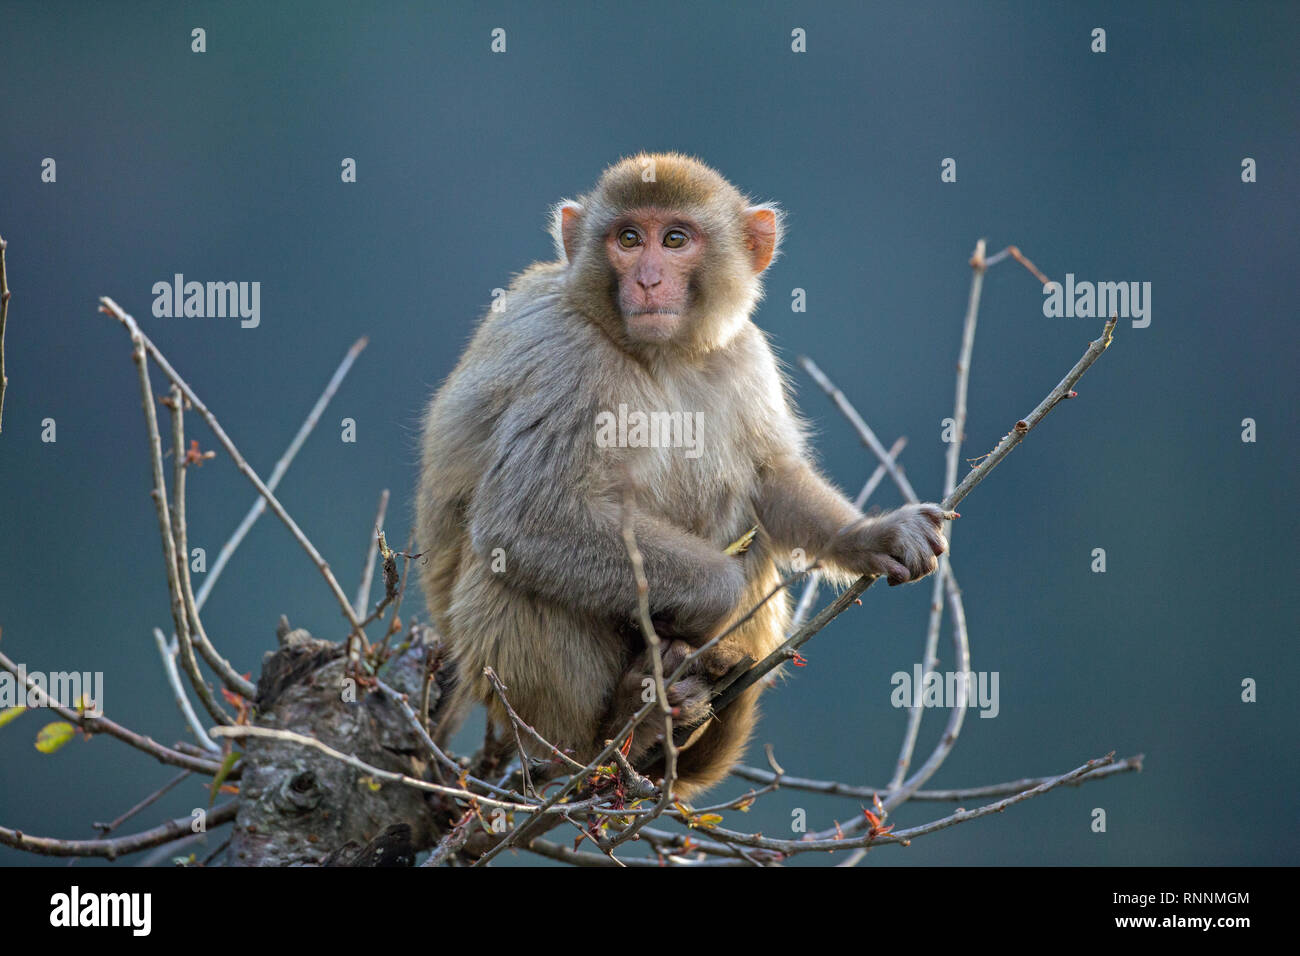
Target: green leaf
11,713
53,736
222,773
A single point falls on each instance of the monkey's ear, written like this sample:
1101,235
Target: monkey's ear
566,225
762,235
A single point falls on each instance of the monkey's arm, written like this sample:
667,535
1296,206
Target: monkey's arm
800,509
566,545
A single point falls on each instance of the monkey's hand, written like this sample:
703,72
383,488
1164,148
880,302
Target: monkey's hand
902,545
689,696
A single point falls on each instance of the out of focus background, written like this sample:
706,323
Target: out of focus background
1117,166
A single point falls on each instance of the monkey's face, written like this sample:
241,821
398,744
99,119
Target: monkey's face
655,256
665,252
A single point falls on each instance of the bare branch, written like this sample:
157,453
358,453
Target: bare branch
961,816
112,308
521,724
233,680
864,432
4,317
837,789
667,746
180,619
563,854
98,725
168,655
839,838
930,656
978,474
287,736
113,847
1016,254
367,572
1063,390
278,472
107,828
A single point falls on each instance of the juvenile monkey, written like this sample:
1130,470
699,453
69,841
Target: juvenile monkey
629,370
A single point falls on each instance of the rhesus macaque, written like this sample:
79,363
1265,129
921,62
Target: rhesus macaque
629,369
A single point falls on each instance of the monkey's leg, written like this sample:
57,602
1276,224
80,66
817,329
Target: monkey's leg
708,758
689,696
718,739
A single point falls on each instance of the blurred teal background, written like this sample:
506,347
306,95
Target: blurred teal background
1117,166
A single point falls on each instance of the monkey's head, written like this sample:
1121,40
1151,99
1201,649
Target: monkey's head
664,252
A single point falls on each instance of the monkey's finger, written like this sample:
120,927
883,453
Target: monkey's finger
938,543
891,568
674,653
926,566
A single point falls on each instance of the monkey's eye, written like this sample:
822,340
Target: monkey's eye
675,239
629,238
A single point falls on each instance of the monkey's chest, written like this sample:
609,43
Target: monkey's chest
685,462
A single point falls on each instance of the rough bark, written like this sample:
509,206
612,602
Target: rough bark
298,806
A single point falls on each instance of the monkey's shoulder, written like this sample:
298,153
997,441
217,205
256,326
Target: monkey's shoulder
532,362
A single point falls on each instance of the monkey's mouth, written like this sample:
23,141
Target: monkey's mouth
653,325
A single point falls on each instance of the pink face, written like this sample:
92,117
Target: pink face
654,254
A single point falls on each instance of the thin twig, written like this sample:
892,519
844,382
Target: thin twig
101,724
438,753
978,474
454,839
180,619
110,307
563,854
107,828
961,643
395,621
867,436
663,840
839,838
278,472
180,463
168,655
180,532
838,789
521,724
1016,254
357,763
956,715
667,746
198,636
215,853
392,579
367,572
930,656
113,847
810,589
1063,390
4,317
961,816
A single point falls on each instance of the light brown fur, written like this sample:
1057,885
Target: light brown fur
511,462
